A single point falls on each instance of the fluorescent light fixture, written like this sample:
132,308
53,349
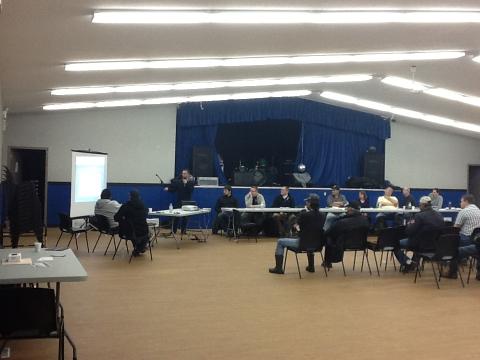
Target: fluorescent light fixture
301,80
265,17
400,111
263,60
431,90
177,100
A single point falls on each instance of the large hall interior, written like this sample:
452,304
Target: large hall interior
239,179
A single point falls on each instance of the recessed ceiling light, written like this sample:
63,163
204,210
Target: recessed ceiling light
431,90
400,111
263,60
177,100
300,80
264,17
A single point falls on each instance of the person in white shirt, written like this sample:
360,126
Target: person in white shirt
107,207
387,201
254,199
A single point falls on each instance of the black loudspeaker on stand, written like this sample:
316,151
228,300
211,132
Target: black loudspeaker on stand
202,161
374,167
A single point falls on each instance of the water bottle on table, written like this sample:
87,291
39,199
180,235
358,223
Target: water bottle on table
170,207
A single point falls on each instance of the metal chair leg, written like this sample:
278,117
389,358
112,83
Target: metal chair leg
376,263
116,248
354,260
435,275
86,239
417,271
470,270
363,260
58,240
76,240
96,243
343,266
71,237
324,265
109,242
285,261
365,254
298,266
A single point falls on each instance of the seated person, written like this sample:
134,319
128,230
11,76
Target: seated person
310,223
335,199
353,220
407,201
283,221
253,200
225,201
387,201
437,199
363,200
468,219
107,207
427,219
133,216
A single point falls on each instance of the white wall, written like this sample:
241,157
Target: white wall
140,142
425,158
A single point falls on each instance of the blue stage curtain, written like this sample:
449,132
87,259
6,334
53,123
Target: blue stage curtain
334,142
332,156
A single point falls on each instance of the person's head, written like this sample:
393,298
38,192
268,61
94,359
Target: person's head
335,190
435,192
284,190
425,202
134,195
353,207
227,190
388,191
406,191
254,190
313,202
362,195
185,174
467,199
106,194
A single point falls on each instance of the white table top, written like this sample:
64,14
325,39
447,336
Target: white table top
335,210
64,267
179,212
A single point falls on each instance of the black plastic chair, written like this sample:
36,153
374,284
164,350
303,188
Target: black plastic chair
355,240
101,223
475,237
450,230
387,241
127,233
30,313
307,245
445,250
65,226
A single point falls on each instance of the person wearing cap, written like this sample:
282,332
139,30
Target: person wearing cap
336,200
352,221
225,201
132,218
309,223
427,219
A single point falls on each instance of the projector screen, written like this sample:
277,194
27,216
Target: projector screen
89,178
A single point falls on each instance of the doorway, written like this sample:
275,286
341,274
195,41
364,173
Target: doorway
474,182
30,164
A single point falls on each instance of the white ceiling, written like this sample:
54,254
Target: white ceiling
37,37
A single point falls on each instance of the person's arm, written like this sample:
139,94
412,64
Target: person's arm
329,200
440,201
173,186
261,201
344,200
460,220
248,200
218,207
120,214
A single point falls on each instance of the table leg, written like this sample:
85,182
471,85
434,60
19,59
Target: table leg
57,306
175,235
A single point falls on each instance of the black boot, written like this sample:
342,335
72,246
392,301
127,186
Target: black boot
311,262
278,269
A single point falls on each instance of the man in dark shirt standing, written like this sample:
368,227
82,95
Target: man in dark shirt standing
183,186
352,221
427,219
283,221
227,200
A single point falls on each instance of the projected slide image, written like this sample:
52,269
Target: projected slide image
89,178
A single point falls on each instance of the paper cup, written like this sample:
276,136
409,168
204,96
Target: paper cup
38,246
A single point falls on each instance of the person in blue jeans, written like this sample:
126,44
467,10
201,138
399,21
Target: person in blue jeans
309,223
427,219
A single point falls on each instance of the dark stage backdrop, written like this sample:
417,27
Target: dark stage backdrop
334,139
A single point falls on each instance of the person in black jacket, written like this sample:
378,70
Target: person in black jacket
283,221
352,221
310,224
133,216
227,200
427,219
183,186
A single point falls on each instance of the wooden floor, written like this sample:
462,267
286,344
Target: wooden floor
216,300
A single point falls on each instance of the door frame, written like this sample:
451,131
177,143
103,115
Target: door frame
9,153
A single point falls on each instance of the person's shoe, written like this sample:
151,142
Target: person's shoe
311,262
310,269
451,276
406,268
278,269
136,253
